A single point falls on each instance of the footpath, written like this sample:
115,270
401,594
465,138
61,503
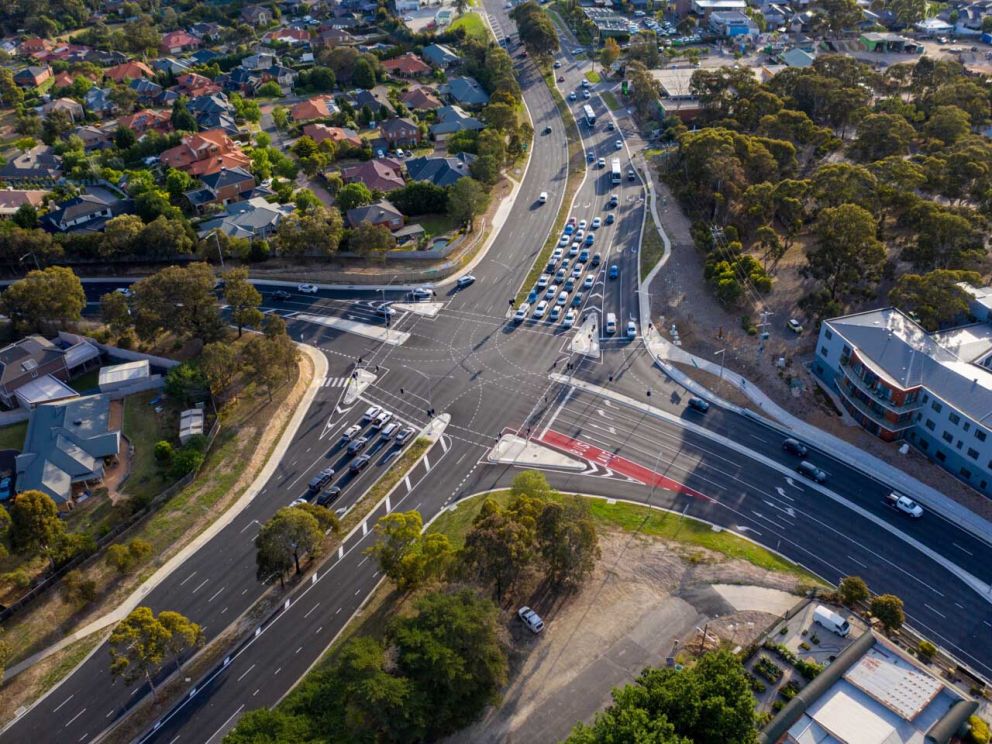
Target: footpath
665,353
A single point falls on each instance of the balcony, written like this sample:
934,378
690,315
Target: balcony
860,384
868,412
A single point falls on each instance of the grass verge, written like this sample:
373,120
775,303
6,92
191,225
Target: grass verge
610,100
12,437
576,170
652,248
634,518
472,24
592,76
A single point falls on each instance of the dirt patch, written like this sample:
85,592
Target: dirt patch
644,596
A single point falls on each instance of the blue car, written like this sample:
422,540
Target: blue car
614,271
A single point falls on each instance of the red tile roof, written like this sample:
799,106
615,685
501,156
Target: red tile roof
407,64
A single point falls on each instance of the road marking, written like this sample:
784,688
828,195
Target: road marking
318,630
215,594
427,464
852,558
257,689
358,591
81,738
365,528
444,445
64,702
200,586
75,717
339,610
407,481
276,671
312,609
959,605
223,725
110,713
389,507
938,614
223,611
962,549
246,672
363,560
340,552
190,576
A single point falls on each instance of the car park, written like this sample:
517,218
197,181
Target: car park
794,447
320,480
596,222
631,329
541,308
307,288
350,432
281,294
404,436
357,445
531,619
795,326
569,320
359,463
903,504
614,271
328,495
370,413
588,282
698,404
809,470
521,313
382,419
554,314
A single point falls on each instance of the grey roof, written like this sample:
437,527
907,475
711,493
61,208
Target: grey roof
38,162
98,99
440,55
226,177
906,356
246,219
440,171
380,211
66,443
452,119
467,91
22,356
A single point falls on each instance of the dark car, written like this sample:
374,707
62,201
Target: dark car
327,496
281,294
547,130
795,447
698,404
359,463
357,445
810,471
321,479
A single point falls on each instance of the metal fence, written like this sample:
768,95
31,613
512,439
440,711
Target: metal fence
52,580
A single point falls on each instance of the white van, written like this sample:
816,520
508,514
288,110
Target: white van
831,621
543,198
611,323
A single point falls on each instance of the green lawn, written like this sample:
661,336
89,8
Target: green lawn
435,224
633,518
473,25
12,437
86,382
143,428
593,77
652,248
610,100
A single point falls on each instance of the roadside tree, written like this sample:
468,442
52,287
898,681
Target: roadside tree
498,548
852,589
243,298
568,543
287,535
315,231
408,557
177,299
219,365
846,258
467,199
52,294
353,195
609,54
888,609
35,524
115,313
141,643
371,241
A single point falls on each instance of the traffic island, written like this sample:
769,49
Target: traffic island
514,450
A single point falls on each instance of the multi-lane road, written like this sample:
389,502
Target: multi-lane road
485,375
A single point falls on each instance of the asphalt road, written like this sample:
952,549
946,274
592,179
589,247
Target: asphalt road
489,375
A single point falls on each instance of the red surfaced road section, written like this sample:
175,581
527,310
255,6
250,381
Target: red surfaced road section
593,454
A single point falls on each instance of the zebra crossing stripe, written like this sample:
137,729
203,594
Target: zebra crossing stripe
335,381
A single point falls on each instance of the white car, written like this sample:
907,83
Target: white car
126,291
571,96
555,314
596,222
542,307
577,271
543,198
531,619
618,144
559,251
420,293
580,233
601,163
631,329
543,281
569,320
307,288
794,325
521,314
563,240
904,504
464,281
587,283
574,250
562,298
350,432
582,225
370,413
550,292
586,95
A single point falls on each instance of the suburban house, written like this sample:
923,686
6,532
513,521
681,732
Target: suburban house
96,137
256,15
206,31
421,98
176,42
68,443
204,153
97,101
440,171
32,46
131,70
400,132
376,99
213,112
34,359
260,61
32,77
320,132
88,211
63,80
732,23
11,200
147,120
440,55
193,84
465,91
381,174
291,36
223,187
333,37
899,382
252,218
73,108
873,691
406,65
318,107
381,212
797,57
151,93
40,163
451,119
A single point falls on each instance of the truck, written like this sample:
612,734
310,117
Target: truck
616,175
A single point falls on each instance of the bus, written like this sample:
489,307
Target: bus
590,115
615,174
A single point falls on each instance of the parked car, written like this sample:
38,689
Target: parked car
281,294
404,436
904,504
699,405
795,326
531,619
350,433
307,288
795,447
809,470
370,413
356,445
359,463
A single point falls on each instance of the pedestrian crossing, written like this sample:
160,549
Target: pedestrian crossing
335,382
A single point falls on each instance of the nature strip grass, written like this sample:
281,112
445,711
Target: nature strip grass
652,248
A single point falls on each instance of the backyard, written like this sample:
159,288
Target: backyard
145,425
472,24
12,436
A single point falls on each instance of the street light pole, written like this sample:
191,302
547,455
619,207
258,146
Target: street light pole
220,253
34,256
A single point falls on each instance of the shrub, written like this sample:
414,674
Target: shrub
783,630
185,461
778,705
196,442
978,731
926,650
808,669
119,557
888,609
815,639
766,668
164,452
804,646
852,589
78,590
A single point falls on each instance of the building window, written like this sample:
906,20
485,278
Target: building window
941,456
827,334
926,398
947,437
823,351
980,435
818,368
973,454
924,445
966,426
930,425
958,445
955,419
965,473
936,406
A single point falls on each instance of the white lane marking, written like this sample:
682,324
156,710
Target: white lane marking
363,560
406,480
427,464
389,507
312,609
55,710
938,614
190,576
340,552
365,528
246,672
962,549
215,594
855,560
74,718
200,586
224,725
